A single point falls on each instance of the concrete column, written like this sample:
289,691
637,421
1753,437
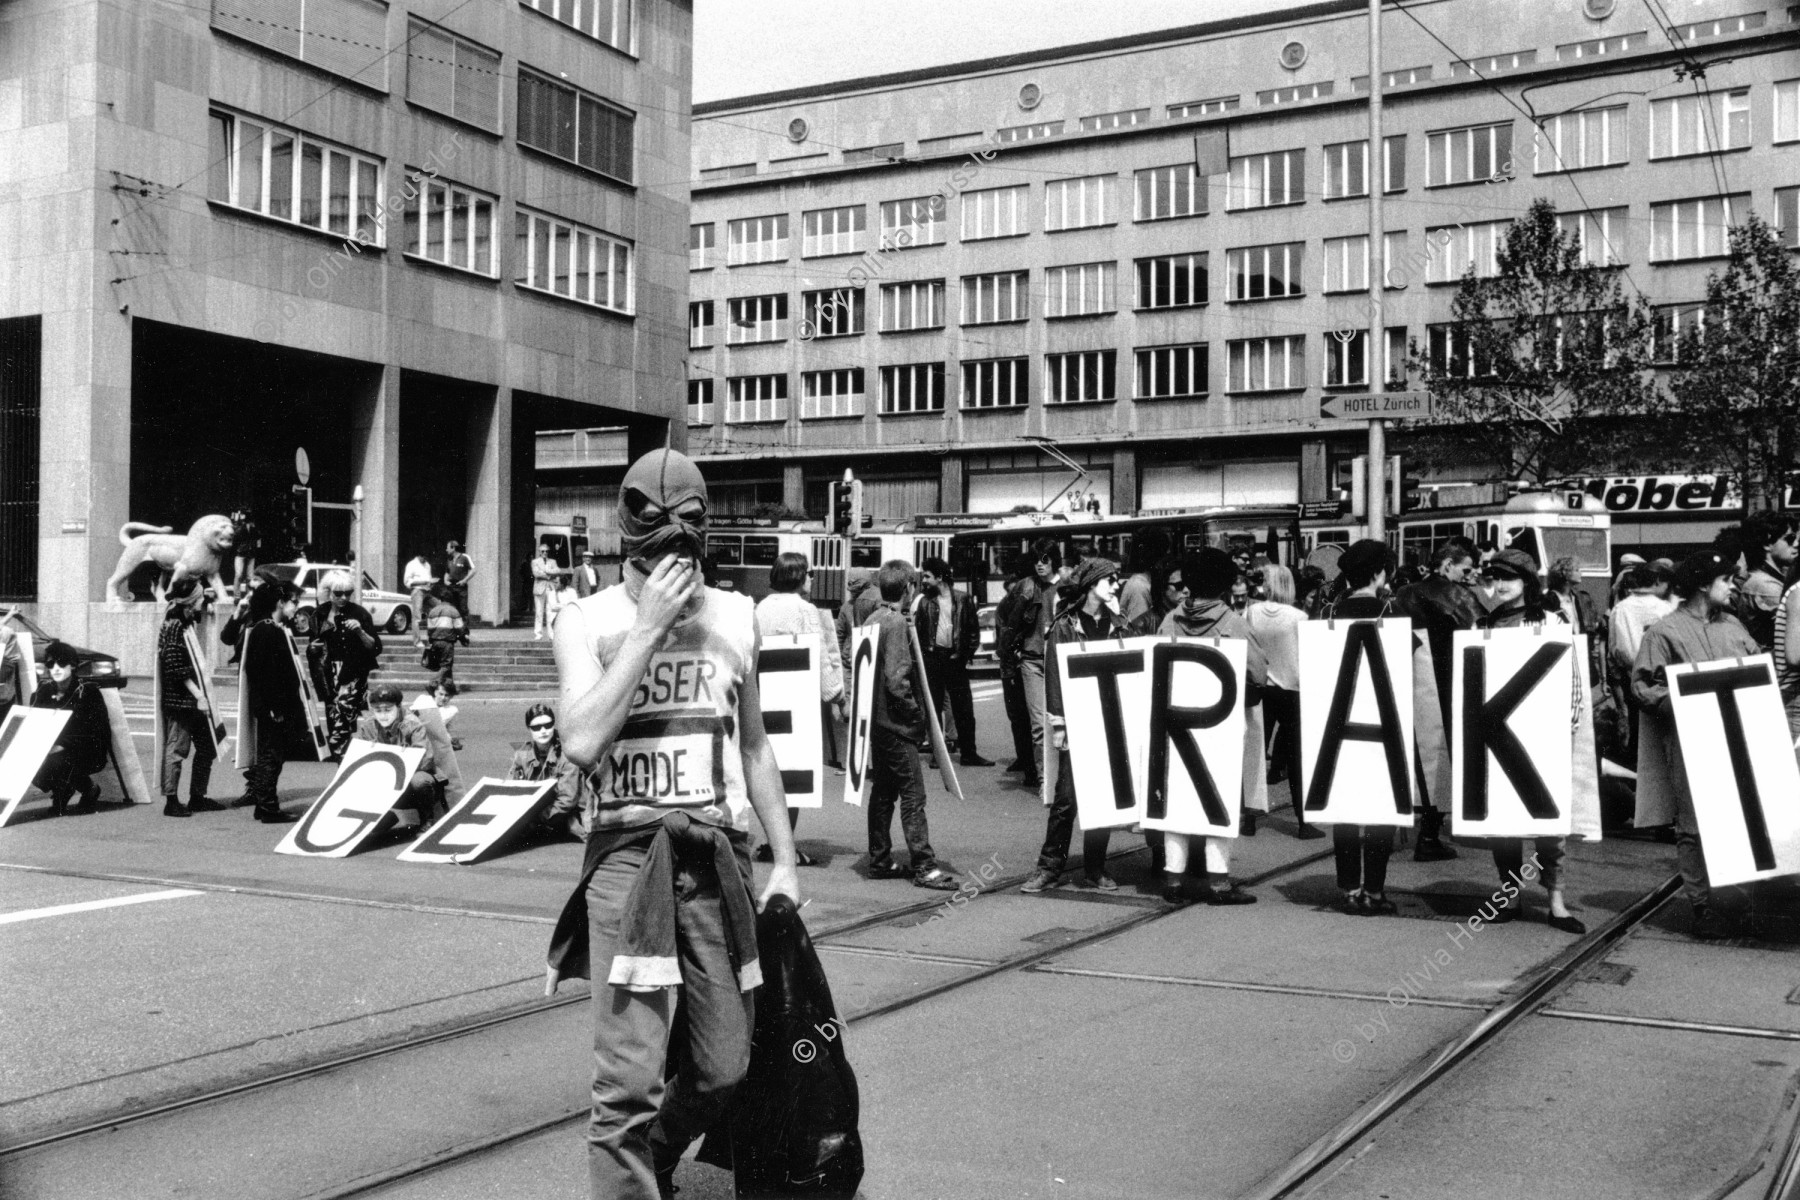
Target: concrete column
1124,481
1315,480
375,465
490,490
951,496
793,487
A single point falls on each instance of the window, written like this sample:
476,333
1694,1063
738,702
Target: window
1028,133
1497,64
756,398
295,177
1670,325
912,222
988,299
997,212
1700,31
345,37
1171,281
1347,167
1695,228
826,231
1478,154
1787,216
1267,272
1295,94
735,171
834,313
1081,291
703,246
1164,193
1202,108
1453,250
555,256
1078,203
1787,111
453,226
1594,137
757,319
1600,235
757,240
1700,124
701,331
1267,364
1448,351
1117,120
610,21
915,305
1266,180
836,393
1171,372
1081,377
1396,356
1624,43
994,383
913,388
1346,358
1404,77
700,402
452,75
575,125
888,152
1347,264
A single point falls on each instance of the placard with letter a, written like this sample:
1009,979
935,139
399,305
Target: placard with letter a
864,674
1511,715
365,789
1356,730
787,676
1740,767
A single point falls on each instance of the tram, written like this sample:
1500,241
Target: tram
741,550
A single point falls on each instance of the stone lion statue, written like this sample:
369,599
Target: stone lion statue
198,553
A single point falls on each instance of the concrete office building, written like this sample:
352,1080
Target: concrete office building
912,274
401,236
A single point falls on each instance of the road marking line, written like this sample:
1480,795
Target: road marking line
32,914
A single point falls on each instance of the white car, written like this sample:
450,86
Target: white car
392,611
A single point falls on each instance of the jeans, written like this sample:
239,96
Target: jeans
641,1120
62,776
1059,829
947,678
1509,859
895,775
1032,674
1012,688
185,729
1362,853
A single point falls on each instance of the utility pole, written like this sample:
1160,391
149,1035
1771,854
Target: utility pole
1377,356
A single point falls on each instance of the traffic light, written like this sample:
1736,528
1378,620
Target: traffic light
859,520
299,519
842,505
1412,494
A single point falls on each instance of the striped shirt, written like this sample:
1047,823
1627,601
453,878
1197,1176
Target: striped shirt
1788,674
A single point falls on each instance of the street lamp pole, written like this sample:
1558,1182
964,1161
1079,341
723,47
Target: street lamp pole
1375,501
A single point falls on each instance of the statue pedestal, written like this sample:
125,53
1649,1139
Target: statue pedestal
128,632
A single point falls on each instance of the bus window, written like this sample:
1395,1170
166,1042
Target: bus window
1526,539
1586,546
827,552
928,547
866,552
577,547
761,550
726,550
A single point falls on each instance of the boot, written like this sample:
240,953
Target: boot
173,807
203,804
274,816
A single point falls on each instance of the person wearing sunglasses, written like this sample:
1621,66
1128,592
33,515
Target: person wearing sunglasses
345,649
543,758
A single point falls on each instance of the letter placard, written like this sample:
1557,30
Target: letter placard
939,751
787,675
1194,768
486,816
201,664
1511,713
26,735
316,741
865,677
367,785
1356,731
1106,709
1740,767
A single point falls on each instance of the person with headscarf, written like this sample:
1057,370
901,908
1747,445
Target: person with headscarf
660,705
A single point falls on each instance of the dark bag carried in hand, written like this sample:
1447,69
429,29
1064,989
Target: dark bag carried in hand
791,1127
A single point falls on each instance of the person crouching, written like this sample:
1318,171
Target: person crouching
386,725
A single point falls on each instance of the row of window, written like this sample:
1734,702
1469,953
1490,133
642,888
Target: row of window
291,176
1682,229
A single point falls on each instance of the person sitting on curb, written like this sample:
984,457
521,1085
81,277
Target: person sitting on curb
386,725
81,747
543,759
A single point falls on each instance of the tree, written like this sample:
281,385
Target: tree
1735,387
1545,368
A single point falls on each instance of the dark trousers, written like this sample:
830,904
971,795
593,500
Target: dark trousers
945,677
1281,709
185,729
895,776
263,781
1059,828
349,694
1362,853
63,774
1018,713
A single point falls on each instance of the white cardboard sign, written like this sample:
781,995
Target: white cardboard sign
1106,714
309,704
1194,764
865,676
787,676
365,789
1356,730
26,736
1740,767
491,811
1511,716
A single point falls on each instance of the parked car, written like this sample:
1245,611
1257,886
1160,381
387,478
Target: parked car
392,611
91,666
984,618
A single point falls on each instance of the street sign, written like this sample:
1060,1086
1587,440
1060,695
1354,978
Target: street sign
302,466
1368,406
1313,510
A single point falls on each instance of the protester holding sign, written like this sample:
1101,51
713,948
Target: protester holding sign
788,611
1439,605
1027,622
80,748
272,694
386,725
544,759
1275,626
185,726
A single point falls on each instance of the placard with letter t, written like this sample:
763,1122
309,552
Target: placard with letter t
1356,729
1511,717
1740,767
1105,688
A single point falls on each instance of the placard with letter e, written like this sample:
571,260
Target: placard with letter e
865,676
1740,767
1511,714
1356,731
26,736
787,675
492,811
365,789
1106,711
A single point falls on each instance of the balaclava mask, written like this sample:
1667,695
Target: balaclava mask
662,507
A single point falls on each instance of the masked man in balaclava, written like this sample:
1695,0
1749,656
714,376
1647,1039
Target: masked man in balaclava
660,706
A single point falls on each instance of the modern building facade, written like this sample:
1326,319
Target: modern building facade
913,276
399,236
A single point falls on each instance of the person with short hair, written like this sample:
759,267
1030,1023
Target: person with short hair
445,630
1137,595
587,576
442,691
949,634
788,610
1025,629
184,725
387,725
276,711
1012,678
81,747
1439,605
544,575
542,758
459,568
1767,540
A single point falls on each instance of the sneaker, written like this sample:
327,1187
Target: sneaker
887,870
937,879
1432,849
1042,880
1102,882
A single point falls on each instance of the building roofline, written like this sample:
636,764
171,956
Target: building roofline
1326,8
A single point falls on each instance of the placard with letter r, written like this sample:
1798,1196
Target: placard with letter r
1356,729
1194,763
787,676
1740,767
1511,717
